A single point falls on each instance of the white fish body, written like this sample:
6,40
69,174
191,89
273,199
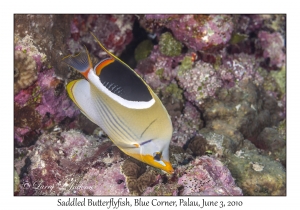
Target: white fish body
115,98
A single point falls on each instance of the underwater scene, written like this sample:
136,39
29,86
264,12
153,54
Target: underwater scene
150,104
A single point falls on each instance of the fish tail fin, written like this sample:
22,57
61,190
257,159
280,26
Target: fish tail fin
81,62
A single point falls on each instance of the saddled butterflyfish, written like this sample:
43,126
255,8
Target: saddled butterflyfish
117,99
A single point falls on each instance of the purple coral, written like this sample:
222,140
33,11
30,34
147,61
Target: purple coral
208,177
272,44
249,23
70,163
186,126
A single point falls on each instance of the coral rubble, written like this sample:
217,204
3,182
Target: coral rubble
208,176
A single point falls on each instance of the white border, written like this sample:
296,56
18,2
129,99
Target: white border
8,8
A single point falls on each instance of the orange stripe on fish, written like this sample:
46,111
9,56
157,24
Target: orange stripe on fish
102,64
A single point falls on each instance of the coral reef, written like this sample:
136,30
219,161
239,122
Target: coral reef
27,62
273,143
197,32
70,163
162,189
158,69
237,69
16,182
40,107
222,79
246,109
199,146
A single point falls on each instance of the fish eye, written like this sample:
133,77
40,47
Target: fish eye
157,156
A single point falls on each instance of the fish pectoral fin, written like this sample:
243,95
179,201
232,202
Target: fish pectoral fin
136,145
125,145
79,92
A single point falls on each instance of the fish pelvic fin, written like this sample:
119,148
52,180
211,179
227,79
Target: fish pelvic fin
80,62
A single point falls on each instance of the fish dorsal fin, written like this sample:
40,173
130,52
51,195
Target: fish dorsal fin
103,48
111,54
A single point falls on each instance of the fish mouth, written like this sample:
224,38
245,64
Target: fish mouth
168,168
164,165
161,164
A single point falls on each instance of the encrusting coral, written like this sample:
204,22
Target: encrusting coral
168,45
255,173
208,176
25,71
272,45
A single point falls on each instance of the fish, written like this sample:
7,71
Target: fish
114,97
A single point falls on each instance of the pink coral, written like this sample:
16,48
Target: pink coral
199,32
186,125
164,62
208,176
20,132
200,82
42,105
161,70
108,181
59,106
22,97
